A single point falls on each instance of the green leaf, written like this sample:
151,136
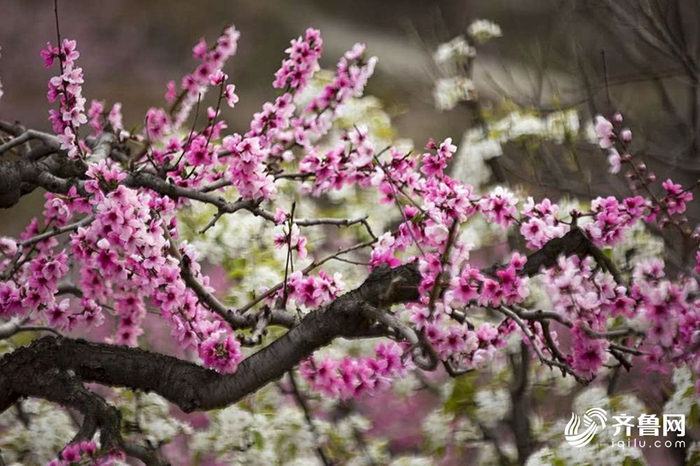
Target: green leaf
692,419
461,400
694,459
258,440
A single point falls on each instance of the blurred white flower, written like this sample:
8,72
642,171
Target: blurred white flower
492,406
412,461
450,91
683,398
594,397
483,30
455,50
559,124
436,427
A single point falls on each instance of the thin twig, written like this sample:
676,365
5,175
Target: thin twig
309,420
29,135
55,231
309,268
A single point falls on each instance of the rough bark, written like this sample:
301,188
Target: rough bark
38,369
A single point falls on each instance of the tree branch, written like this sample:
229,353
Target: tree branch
35,369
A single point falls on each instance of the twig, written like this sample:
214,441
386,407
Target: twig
217,216
236,321
526,330
309,421
55,231
307,222
391,322
437,285
289,262
28,135
309,268
58,30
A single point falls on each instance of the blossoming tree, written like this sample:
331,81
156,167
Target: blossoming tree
131,217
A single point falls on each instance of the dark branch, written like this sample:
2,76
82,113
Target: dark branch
35,369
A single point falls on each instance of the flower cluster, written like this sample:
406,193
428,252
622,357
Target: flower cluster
665,210
355,377
482,30
451,91
349,162
35,286
246,167
292,239
221,352
100,119
612,218
676,197
67,89
352,73
311,291
76,452
302,62
455,50
499,206
540,223
193,86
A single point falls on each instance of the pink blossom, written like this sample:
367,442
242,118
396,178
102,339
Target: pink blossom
676,198
57,313
292,239
48,54
614,161
217,78
437,233
588,355
89,448
230,95
604,131
224,356
71,453
171,92
69,52
465,287
199,51
280,216
626,136
68,142
499,206
419,317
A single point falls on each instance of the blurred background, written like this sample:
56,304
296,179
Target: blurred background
131,49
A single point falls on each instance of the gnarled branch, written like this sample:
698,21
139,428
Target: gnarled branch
32,370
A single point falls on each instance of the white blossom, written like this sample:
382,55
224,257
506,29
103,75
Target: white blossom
436,427
593,397
412,461
474,150
455,50
482,30
49,431
683,398
450,91
560,124
492,406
